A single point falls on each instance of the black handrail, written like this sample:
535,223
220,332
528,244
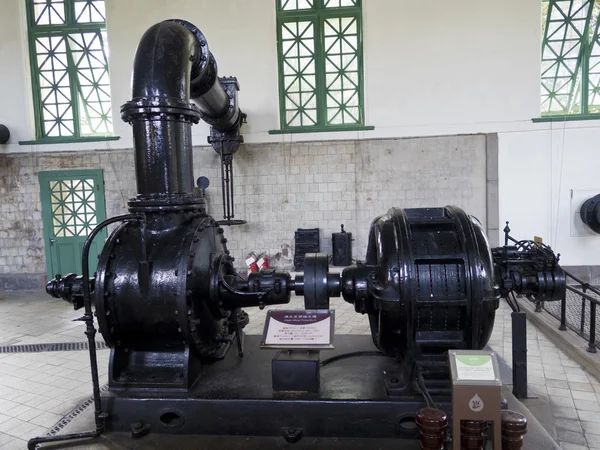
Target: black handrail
594,289
581,289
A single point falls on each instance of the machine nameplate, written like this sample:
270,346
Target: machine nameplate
306,329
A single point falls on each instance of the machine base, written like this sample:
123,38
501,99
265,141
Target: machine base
235,397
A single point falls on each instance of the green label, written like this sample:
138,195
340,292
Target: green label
474,360
475,367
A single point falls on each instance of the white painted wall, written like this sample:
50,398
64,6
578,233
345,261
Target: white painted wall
431,68
15,100
538,172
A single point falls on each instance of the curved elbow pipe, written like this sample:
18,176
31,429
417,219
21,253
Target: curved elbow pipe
173,65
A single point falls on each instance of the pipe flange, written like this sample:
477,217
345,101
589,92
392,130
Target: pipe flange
200,64
163,107
167,203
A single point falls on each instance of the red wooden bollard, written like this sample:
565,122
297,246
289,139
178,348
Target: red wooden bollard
471,434
514,428
432,423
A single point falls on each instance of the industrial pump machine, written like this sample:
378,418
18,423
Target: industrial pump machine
169,302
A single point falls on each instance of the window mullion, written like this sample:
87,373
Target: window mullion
280,63
361,72
320,71
69,12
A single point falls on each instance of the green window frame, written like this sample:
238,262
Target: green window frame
69,70
570,81
320,62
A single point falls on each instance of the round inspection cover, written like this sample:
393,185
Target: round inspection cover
316,266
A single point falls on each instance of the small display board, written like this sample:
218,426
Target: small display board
470,366
476,390
474,367
299,329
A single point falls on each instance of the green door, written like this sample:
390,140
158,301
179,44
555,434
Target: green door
72,205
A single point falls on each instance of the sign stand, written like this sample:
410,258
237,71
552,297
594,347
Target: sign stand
296,370
476,392
300,334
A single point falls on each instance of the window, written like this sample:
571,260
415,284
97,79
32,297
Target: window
320,64
570,57
69,63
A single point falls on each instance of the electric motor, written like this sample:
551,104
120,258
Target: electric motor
427,283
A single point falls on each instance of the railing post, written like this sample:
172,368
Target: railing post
519,353
563,313
583,299
592,344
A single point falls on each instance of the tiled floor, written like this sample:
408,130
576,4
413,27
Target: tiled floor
37,389
566,399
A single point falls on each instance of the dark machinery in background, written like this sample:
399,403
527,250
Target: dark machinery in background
306,240
4,134
530,269
169,302
341,248
590,213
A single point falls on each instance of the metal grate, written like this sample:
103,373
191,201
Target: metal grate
69,417
578,313
57,347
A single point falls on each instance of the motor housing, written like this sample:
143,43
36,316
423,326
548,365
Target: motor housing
427,285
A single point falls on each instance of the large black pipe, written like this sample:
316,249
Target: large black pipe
173,64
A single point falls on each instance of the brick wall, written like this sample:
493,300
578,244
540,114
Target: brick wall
279,187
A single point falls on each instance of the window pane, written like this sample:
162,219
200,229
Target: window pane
73,205
90,60
291,5
90,11
341,70
48,12
565,25
55,91
338,3
298,54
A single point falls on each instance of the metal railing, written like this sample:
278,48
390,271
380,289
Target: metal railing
577,310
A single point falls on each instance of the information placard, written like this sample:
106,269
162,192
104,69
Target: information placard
475,367
304,329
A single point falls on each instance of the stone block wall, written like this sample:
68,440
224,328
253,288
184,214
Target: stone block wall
278,188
